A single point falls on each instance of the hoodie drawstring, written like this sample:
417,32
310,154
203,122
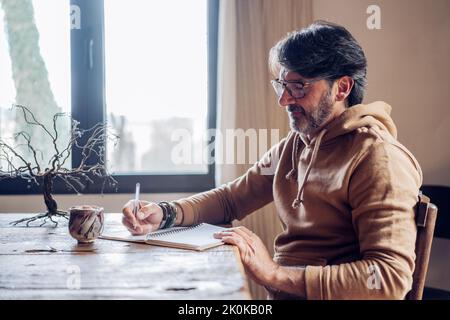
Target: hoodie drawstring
293,172
299,197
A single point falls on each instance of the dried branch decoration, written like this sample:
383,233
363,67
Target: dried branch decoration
90,143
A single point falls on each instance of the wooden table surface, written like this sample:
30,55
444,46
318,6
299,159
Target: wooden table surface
46,263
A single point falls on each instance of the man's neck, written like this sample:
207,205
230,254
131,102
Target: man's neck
338,110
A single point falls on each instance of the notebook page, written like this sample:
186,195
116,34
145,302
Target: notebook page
201,235
121,234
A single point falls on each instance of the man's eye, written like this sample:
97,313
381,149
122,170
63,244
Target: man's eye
296,86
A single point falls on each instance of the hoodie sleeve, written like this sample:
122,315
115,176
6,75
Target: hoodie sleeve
382,193
236,199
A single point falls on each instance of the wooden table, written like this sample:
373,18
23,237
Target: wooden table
46,263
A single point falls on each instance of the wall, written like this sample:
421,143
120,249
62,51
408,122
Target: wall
409,69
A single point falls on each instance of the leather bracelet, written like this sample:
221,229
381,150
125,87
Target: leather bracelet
169,215
165,216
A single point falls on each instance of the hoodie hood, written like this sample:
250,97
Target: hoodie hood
362,115
376,114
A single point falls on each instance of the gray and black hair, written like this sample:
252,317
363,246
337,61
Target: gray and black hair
323,50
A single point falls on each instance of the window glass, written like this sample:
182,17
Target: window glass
156,85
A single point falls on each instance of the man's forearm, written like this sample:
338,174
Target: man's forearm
290,280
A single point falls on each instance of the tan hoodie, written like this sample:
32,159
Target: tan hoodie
345,200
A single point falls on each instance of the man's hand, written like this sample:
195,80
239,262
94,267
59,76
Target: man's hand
147,219
256,259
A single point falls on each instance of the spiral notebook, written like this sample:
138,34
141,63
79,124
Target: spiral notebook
198,237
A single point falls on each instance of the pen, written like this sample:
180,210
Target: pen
136,201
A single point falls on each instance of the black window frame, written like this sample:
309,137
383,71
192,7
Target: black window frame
88,104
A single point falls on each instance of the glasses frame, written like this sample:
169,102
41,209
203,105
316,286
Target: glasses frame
283,83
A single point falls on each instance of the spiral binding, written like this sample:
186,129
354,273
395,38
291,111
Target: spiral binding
170,232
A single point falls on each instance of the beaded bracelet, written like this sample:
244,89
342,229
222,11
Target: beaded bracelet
174,212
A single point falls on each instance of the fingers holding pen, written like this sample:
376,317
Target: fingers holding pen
134,229
128,213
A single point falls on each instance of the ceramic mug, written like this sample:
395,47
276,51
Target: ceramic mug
86,223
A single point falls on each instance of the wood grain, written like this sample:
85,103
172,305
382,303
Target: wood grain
45,263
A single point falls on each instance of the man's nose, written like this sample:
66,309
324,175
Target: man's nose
285,99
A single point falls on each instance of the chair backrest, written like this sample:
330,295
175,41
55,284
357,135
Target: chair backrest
439,195
426,214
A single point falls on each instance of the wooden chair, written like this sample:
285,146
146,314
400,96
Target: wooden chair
426,214
438,288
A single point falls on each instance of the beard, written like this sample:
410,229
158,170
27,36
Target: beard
308,122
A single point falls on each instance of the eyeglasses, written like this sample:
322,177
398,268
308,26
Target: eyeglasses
296,89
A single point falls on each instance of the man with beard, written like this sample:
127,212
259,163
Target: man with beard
344,187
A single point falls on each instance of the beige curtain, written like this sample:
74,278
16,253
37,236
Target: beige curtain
247,31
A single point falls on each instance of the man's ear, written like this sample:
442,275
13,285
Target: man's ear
344,85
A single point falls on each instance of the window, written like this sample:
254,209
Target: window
35,64
145,68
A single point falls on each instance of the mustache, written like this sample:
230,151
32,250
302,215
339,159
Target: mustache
296,108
